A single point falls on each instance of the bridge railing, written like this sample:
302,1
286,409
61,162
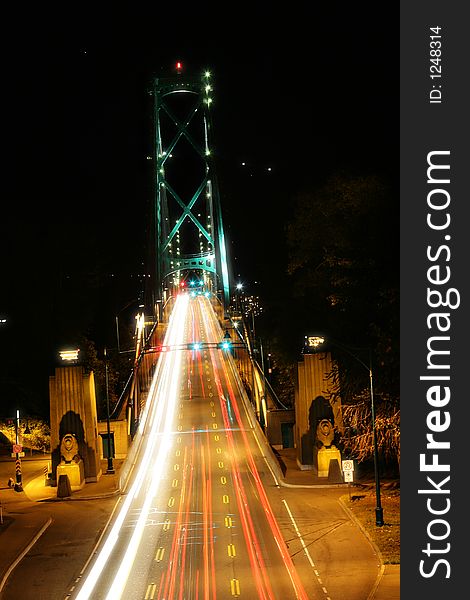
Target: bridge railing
133,396
259,390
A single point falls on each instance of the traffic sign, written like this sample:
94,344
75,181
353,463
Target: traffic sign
347,465
17,448
348,475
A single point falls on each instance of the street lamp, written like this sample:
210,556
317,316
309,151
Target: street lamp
117,320
110,469
19,478
316,342
239,288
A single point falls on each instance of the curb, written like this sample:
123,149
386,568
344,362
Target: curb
116,492
312,486
380,574
268,453
23,553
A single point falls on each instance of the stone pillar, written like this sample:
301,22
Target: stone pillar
312,404
73,410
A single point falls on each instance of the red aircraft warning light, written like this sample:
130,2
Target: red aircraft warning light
179,67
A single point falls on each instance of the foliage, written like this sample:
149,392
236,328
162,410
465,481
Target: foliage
282,380
38,438
118,370
344,268
357,421
357,437
343,263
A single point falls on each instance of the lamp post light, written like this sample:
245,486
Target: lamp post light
110,469
316,342
238,303
116,318
262,367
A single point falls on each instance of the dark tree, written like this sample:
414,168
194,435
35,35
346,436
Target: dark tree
343,261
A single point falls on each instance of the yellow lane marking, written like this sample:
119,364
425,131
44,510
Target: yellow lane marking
150,593
223,480
218,450
235,587
214,425
212,404
231,551
159,554
171,502
221,464
225,499
180,427
176,467
174,483
213,414
216,437
178,453
228,522
166,525
181,415
211,394
178,440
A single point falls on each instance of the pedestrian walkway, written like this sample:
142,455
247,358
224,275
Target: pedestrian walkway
294,475
107,485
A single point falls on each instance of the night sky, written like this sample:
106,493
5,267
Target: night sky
306,91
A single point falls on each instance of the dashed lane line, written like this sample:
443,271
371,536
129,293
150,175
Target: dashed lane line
307,553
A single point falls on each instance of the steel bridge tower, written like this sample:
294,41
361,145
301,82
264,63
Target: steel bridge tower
189,234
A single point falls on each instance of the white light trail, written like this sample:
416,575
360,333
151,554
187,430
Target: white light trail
163,403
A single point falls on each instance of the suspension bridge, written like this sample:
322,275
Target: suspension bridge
195,521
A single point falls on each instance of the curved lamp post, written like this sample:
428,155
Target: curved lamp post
116,318
110,469
315,342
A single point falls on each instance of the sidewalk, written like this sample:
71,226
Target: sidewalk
294,476
107,485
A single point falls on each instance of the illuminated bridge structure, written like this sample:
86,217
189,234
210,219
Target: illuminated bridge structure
188,227
188,241
196,518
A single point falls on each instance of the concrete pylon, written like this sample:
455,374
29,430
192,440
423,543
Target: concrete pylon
73,410
313,403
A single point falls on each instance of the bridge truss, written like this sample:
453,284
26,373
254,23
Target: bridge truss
189,234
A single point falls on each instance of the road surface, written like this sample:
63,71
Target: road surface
196,522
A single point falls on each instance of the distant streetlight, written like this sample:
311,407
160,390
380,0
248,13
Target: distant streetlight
239,288
69,355
316,342
110,469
